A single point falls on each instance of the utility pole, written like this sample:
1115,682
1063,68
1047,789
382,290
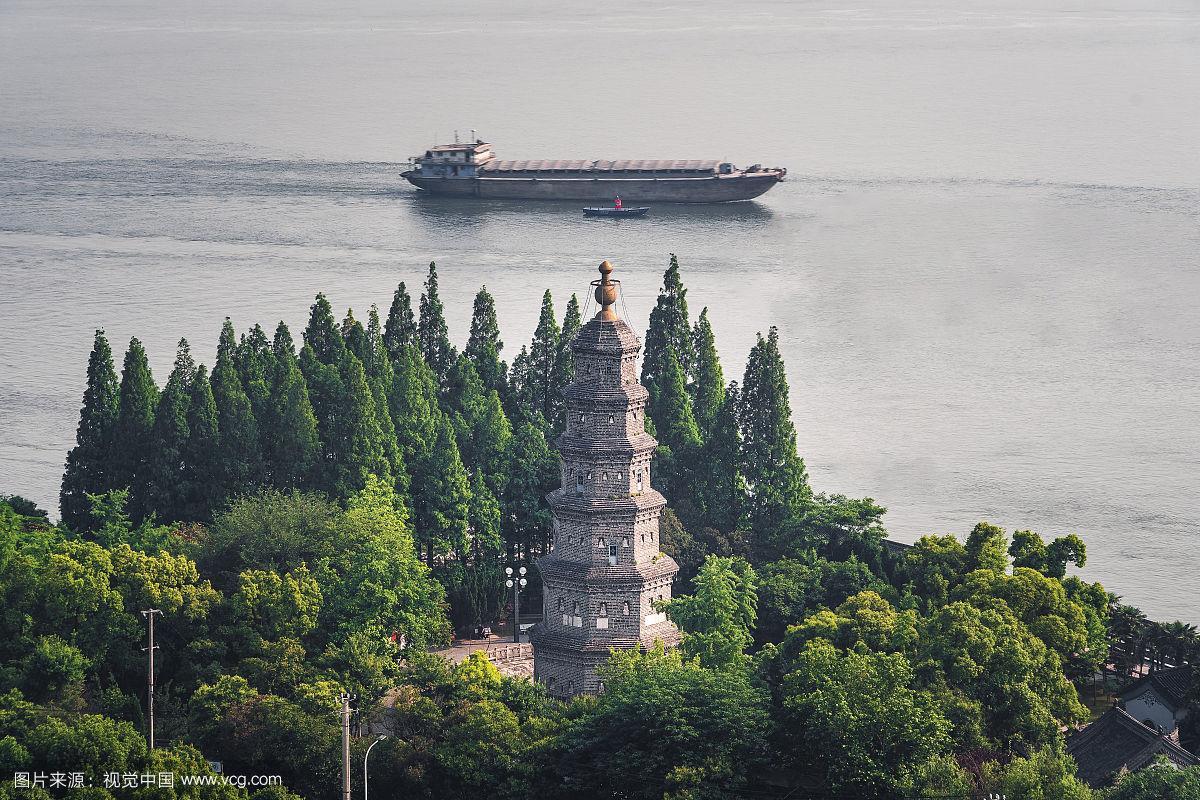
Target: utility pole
149,615
345,697
515,582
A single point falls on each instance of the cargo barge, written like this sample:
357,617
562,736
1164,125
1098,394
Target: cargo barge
472,170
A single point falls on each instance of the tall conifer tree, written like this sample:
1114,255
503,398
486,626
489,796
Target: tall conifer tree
401,327
292,448
88,468
719,487
484,345
320,363
775,474
432,332
519,397
357,448
707,384
378,366
133,434
543,364
255,365
481,429
323,334
669,329
564,365
165,490
241,457
202,473
439,484
532,473
678,437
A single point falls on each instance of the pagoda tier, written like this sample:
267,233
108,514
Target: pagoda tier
605,572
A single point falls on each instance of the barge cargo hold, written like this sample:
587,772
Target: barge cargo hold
472,170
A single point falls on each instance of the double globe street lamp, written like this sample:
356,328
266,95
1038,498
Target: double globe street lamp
516,581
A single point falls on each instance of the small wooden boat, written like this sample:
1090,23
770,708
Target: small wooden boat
616,212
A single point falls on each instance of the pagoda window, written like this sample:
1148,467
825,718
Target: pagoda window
625,542
601,542
605,476
612,555
560,604
579,483
625,608
604,609
575,608
612,419
639,480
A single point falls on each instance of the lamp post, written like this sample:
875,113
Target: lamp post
515,582
365,757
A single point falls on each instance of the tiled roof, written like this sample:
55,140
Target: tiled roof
1117,741
1172,685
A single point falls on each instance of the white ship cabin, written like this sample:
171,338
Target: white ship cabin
454,160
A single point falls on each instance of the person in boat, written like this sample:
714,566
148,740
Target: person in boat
617,204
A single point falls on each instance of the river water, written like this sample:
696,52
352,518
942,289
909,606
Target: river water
984,263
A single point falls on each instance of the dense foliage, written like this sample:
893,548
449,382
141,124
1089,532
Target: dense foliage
312,521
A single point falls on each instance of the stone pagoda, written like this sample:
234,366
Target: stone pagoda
605,570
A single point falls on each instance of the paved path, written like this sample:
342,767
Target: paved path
512,659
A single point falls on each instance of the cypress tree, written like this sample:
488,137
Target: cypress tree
292,448
482,589
707,385
322,333
480,427
439,485
519,397
240,454
543,361
282,346
532,473
380,376
775,474
201,473
679,438
88,464
164,493
401,327
669,329
357,448
484,345
326,393
133,433
255,365
432,332
564,365
377,357
719,484
357,341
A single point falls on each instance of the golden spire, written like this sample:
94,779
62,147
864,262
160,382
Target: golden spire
606,292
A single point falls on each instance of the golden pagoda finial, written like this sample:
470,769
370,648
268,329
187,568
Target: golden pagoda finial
606,292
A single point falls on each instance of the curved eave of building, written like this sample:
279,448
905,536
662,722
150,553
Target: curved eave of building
619,396
562,500
555,569
602,447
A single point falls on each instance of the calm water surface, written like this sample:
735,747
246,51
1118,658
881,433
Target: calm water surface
984,264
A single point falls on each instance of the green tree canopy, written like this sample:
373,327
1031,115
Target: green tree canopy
88,468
